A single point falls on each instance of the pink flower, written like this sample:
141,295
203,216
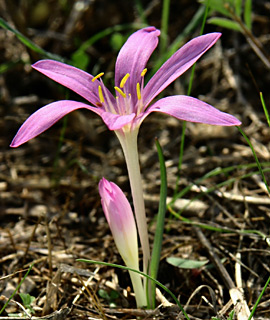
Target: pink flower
131,105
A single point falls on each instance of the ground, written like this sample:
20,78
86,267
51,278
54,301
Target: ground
49,203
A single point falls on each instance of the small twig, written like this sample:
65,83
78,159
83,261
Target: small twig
234,197
30,240
49,245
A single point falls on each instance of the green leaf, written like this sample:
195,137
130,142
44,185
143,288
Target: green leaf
225,23
27,299
247,13
117,40
104,294
186,263
80,59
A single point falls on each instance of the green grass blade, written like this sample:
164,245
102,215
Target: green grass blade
225,23
28,43
238,7
164,26
142,274
248,14
259,299
155,258
265,109
256,158
17,288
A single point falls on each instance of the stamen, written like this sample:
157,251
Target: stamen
138,91
97,76
144,72
120,91
101,97
124,80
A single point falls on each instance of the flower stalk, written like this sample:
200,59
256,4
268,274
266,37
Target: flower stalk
128,141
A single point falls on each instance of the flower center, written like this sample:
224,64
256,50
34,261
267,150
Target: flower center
125,103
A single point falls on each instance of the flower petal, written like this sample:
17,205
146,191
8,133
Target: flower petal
75,79
177,64
133,57
115,121
121,221
45,117
193,110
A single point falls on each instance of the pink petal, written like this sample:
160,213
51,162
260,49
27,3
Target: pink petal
72,78
115,121
133,57
193,110
177,64
45,117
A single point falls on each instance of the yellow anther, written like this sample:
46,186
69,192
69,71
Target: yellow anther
120,91
124,80
144,72
101,97
97,76
138,91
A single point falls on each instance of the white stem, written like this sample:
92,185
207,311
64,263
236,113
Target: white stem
139,292
128,140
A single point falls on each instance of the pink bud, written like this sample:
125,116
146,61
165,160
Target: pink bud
121,221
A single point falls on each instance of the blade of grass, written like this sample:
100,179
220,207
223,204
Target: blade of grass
256,158
238,7
156,252
17,288
142,274
247,13
27,42
265,109
259,299
164,26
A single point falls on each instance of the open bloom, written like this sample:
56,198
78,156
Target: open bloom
131,105
122,224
